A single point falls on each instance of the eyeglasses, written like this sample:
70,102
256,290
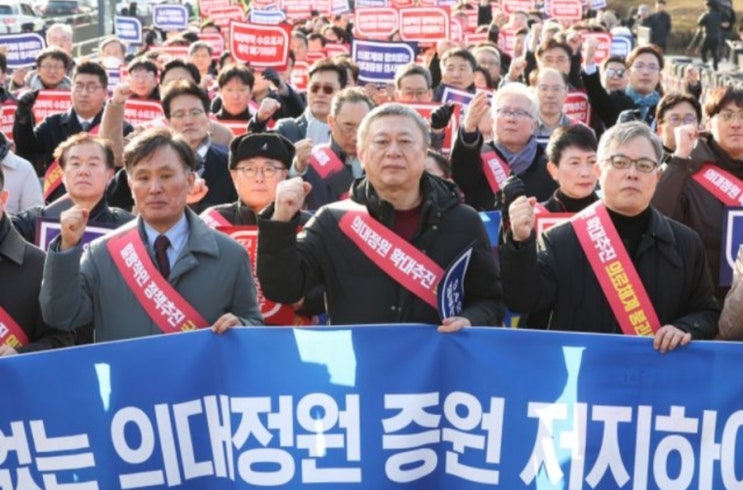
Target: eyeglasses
326,89
642,66
51,66
728,116
644,165
676,120
90,88
518,113
194,113
252,172
615,72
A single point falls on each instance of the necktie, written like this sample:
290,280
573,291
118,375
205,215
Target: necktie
161,245
85,125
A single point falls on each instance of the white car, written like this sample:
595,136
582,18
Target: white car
14,14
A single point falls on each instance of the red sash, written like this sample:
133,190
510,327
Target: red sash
170,312
496,170
52,179
726,187
11,334
273,313
400,260
53,174
615,271
214,219
325,161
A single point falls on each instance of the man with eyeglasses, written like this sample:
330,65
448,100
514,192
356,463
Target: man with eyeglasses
311,128
480,168
639,99
618,266
36,143
186,109
614,74
331,168
674,110
258,162
413,84
705,175
51,72
143,79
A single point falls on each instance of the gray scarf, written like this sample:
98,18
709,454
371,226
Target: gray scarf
520,161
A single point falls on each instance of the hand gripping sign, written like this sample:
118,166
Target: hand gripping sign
260,45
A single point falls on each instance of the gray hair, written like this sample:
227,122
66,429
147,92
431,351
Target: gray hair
393,109
412,69
65,29
519,89
621,133
349,95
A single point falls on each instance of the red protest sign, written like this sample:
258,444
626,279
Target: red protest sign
216,41
604,45
511,6
296,9
238,128
300,76
425,24
167,53
577,107
224,15
262,4
477,38
398,4
262,46
336,49
50,102
324,7
425,110
7,116
566,9
375,22
456,29
139,112
205,6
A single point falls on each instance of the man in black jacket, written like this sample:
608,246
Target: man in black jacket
408,210
21,270
572,270
37,144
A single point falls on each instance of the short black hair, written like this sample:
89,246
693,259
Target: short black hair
184,87
574,135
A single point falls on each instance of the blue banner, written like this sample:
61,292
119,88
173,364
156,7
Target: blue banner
732,240
21,49
378,61
374,407
128,29
170,17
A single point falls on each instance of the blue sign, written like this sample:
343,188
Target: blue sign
128,29
170,17
374,407
378,61
21,49
732,239
621,46
450,292
272,16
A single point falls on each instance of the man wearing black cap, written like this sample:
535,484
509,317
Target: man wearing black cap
258,162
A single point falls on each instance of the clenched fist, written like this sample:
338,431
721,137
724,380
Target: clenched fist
73,222
290,196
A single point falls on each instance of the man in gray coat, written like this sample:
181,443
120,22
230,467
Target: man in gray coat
165,272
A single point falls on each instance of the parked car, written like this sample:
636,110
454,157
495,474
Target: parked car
69,11
14,15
